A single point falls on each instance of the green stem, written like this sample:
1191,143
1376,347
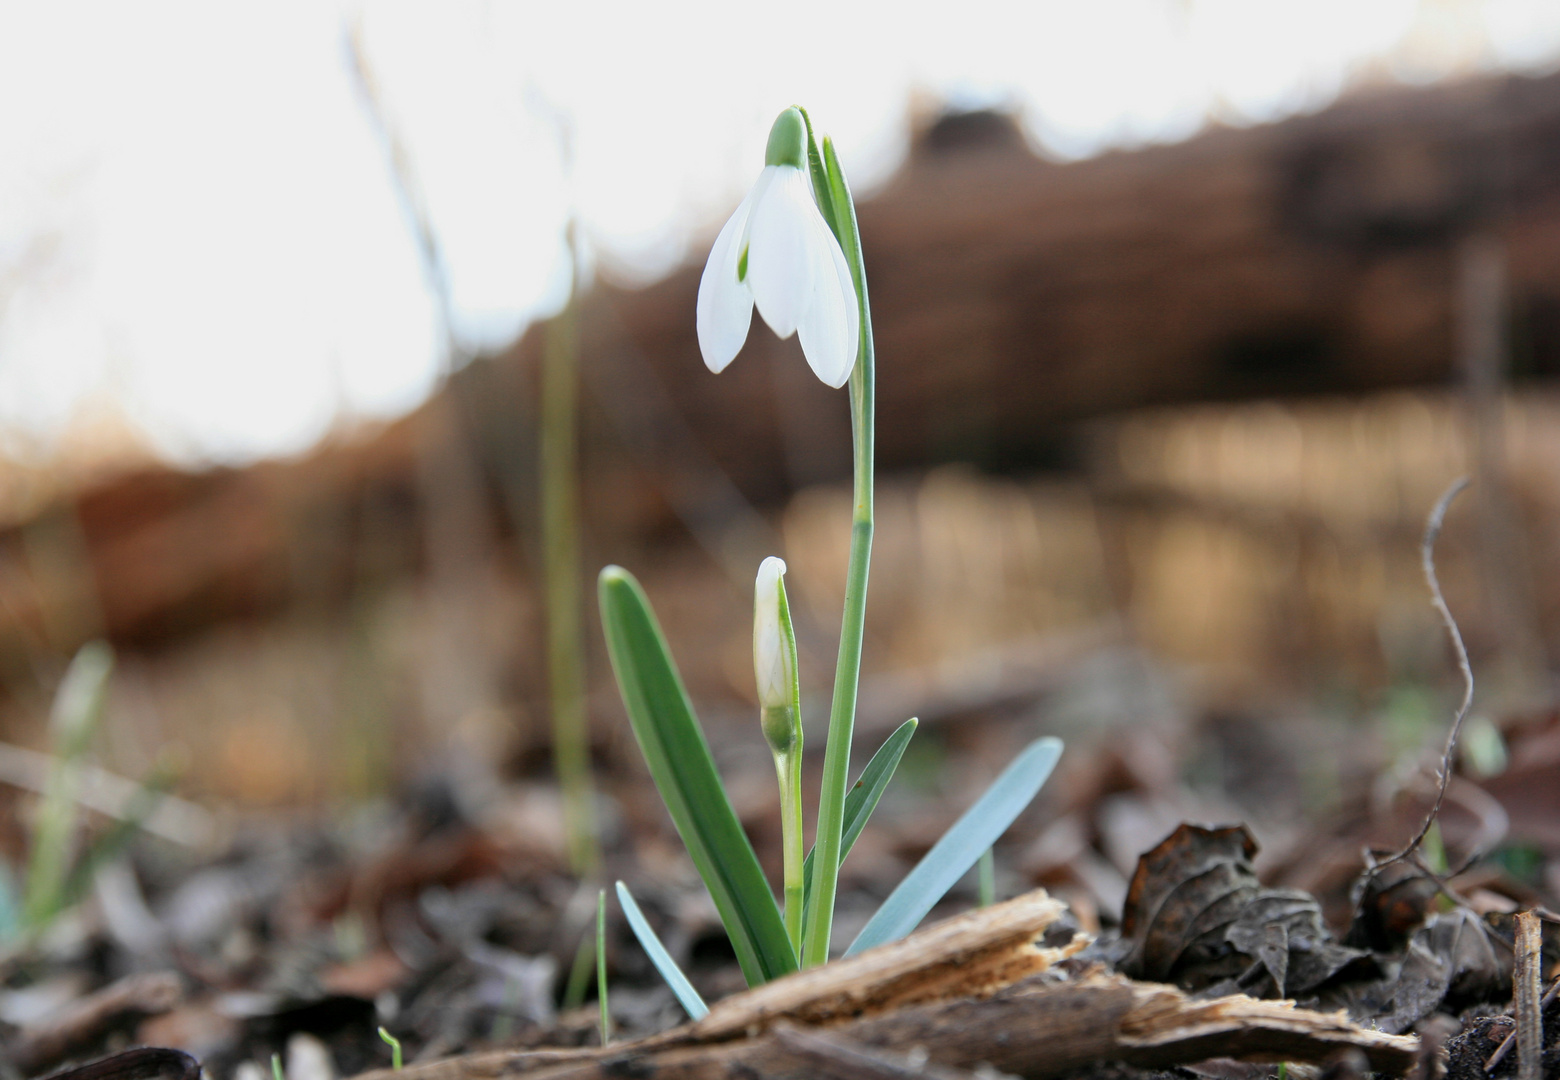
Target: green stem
988,879
847,674
601,967
561,567
788,767
395,1049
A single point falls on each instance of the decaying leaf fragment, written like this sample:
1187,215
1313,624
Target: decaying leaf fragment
1449,961
142,1063
1197,916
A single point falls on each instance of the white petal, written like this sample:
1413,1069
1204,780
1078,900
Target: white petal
725,307
831,325
779,267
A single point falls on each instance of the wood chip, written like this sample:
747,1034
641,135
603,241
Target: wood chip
974,991
1528,979
970,955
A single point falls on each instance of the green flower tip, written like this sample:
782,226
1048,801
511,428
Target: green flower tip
787,140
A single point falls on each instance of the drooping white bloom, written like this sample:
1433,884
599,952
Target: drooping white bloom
774,644
777,252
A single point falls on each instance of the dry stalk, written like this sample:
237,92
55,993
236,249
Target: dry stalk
1432,533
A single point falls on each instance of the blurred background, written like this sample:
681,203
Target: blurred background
1187,311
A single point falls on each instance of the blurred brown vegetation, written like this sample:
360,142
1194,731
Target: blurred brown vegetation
1192,401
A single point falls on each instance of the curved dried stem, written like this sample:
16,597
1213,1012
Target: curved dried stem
1437,598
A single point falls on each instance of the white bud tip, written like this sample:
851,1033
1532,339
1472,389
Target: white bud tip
770,571
771,655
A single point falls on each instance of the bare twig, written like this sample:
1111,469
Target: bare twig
1527,978
413,200
1427,560
1442,882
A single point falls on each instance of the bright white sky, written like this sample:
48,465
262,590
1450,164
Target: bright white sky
198,223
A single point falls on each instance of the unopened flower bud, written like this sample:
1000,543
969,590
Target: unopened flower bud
774,657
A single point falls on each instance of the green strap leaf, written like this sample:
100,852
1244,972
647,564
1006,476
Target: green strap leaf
953,855
674,748
686,995
863,798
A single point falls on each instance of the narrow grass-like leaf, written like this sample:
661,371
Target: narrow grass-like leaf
679,759
863,797
112,843
953,855
78,709
686,995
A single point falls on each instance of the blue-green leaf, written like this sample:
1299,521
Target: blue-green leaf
953,855
679,758
687,996
863,797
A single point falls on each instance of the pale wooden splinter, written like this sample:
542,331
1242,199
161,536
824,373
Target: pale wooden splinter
976,989
1528,978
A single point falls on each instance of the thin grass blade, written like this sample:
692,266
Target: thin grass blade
78,709
679,759
863,797
601,967
686,995
953,855
141,805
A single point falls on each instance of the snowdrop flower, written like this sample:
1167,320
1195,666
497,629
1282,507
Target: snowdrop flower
774,655
777,252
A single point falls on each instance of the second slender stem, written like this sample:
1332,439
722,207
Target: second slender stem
559,461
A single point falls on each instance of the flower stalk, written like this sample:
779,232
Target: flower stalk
833,195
